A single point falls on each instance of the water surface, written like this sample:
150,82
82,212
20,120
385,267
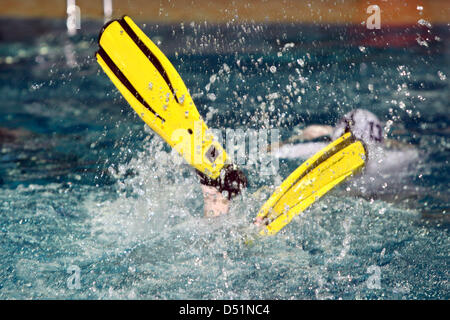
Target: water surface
83,183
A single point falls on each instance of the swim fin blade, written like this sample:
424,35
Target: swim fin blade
155,90
315,177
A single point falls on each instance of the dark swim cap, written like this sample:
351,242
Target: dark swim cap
231,179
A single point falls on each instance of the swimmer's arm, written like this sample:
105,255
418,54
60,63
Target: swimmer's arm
311,132
300,150
315,131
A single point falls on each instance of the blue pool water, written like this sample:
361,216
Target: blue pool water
85,186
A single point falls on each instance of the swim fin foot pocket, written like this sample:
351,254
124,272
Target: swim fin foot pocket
155,90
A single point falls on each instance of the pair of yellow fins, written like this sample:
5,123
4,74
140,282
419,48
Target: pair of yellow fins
155,90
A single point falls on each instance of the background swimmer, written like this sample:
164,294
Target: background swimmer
388,163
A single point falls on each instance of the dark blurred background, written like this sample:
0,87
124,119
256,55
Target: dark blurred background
394,12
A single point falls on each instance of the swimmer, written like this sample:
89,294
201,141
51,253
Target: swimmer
362,123
388,161
162,100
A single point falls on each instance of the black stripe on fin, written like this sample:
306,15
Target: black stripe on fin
322,159
344,144
119,74
149,54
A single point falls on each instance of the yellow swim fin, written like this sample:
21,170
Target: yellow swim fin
155,90
315,177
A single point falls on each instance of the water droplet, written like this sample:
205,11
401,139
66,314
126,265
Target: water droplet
424,22
211,96
442,76
422,42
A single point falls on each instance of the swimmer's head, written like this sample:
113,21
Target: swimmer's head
363,124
